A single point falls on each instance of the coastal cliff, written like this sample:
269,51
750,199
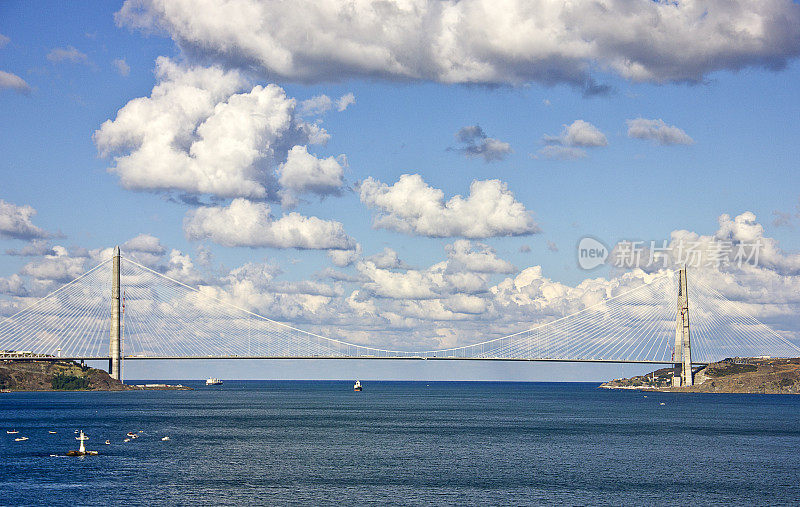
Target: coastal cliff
741,375
55,376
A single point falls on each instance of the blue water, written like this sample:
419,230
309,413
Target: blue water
401,443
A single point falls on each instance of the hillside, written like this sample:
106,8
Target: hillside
55,376
743,375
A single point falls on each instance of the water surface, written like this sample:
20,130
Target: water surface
402,442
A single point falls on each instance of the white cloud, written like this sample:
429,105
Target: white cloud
14,82
14,285
3,40
475,143
477,42
204,131
345,101
122,66
478,258
573,137
387,259
34,248
657,131
343,258
60,267
16,222
67,54
315,106
304,173
250,224
412,207
145,243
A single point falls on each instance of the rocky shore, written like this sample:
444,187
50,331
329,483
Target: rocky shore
740,375
62,376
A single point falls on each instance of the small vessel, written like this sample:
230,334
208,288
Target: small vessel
52,432
662,404
357,386
213,382
20,439
82,451
12,432
127,440
164,439
108,442
130,434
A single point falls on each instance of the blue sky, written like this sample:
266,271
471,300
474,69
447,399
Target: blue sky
740,111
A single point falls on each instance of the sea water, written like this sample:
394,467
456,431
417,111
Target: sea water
479,443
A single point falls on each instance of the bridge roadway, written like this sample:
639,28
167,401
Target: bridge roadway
390,358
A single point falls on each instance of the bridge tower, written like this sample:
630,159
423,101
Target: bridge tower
682,354
115,343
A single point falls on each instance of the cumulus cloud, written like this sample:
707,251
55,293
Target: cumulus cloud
573,137
204,130
122,66
251,224
413,207
552,246
13,82
475,143
344,258
476,42
34,248
387,259
315,106
145,243
59,267
657,131
16,222
67,54
13,285
345,101
477,258
304,173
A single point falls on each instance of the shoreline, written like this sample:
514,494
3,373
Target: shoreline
729,376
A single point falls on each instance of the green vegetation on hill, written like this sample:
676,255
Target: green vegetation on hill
729,369
65,382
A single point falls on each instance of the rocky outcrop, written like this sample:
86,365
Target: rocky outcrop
740,375
54,376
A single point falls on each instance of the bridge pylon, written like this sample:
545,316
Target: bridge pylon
115,343
682,353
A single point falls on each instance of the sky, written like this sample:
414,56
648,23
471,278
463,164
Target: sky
402,174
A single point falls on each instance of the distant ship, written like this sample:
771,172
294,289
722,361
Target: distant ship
357,386
213,382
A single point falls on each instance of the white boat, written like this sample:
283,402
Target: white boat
52,432
213,382
357,386
164,439
20,439
12,432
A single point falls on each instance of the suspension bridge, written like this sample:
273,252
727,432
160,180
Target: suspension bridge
121,310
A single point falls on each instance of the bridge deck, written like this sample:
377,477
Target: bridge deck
385,358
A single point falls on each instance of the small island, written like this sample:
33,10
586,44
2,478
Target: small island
63,375
732,375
